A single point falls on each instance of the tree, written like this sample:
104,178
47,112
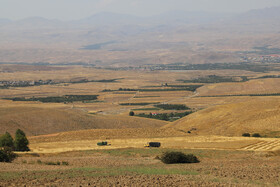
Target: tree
131,113
21,142
164,117
6,140
7,155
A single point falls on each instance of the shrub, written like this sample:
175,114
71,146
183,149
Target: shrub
64,163
6,140
246,134
256,135
51,163
7,155
39,161
24,162
21,142
178,157
131,113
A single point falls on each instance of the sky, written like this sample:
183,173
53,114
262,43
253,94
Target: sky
78,9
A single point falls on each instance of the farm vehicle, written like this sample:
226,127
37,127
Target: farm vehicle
152,144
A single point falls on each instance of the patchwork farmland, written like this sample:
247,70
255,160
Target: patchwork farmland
63,136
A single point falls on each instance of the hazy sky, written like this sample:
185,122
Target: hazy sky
76,9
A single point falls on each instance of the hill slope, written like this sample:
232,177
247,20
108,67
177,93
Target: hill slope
258,86
36,121
257,115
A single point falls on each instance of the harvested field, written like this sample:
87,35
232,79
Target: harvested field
168,142
136,138
257,115
258,86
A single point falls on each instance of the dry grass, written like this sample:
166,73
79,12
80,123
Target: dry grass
57,143
256,115
42,120
259,86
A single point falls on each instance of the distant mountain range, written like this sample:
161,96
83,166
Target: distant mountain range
173,17
112,38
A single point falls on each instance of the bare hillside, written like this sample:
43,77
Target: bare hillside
37,121
257,115
258,86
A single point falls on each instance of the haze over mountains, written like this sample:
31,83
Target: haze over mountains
120,39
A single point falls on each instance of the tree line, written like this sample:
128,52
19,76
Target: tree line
62,99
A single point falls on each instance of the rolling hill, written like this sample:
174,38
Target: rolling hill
257,115
258,86
38,121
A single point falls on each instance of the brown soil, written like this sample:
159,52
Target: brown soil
217,168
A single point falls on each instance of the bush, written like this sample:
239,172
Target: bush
7,155
21,142
256,135
6,140
246,134
178,157
131,113
53,163
39,161
65,163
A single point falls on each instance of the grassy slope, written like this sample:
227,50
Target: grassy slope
259,86
35,120
257,115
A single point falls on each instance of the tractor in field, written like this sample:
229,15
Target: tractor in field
152,144
103,143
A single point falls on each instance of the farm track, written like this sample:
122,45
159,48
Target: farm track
263,146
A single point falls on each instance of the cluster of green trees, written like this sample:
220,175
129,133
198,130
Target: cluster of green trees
165,116
172,107
20,143
215,79
127,89
8,145
86,81
269,77
63,99
191,88
136,104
